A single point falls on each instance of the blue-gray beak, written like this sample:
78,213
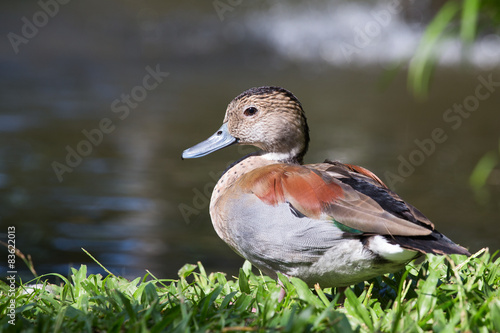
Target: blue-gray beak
219,140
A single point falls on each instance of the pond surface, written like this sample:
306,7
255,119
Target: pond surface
92,129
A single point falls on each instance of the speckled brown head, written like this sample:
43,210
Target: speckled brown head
270,118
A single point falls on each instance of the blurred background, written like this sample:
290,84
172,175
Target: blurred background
92,127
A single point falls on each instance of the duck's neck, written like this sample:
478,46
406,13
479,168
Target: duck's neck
289,150
294,156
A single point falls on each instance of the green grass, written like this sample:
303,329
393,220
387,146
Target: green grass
441,294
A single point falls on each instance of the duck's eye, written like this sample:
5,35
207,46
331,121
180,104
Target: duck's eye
250,111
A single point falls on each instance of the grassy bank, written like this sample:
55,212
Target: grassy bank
440,294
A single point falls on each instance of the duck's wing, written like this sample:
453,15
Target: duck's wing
351,197
364,181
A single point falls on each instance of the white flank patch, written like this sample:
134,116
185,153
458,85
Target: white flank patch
390,251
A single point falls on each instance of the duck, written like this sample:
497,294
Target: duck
329,223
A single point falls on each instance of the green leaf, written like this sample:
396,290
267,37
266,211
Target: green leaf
243,302
480,175
304,293
207,302
186,270
149,295
427,298
468,22
357,309
422,62
482,170
126,303
321,295
243,282
247,267
227,299
495,314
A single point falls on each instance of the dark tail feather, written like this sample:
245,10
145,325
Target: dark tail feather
435,243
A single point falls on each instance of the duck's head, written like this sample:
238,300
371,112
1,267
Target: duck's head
270,118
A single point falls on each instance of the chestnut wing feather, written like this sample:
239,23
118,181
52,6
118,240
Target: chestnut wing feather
329,191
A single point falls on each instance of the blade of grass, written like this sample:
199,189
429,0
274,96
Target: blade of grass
97,262
356,308
321,294
422,63
468,23
26,259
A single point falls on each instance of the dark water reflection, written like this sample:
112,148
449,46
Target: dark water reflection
134,204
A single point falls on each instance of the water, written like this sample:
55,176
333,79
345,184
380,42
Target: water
134,204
